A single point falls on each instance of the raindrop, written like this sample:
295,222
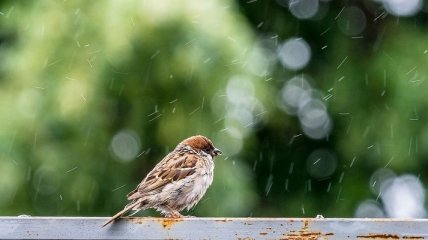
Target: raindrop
115,189
309,185
71,170
125,145
255,165
286,185
341,177
339,193
290,170
328,187
352,161
269,184
294,54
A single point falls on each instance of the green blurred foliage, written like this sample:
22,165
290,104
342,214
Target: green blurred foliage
76,74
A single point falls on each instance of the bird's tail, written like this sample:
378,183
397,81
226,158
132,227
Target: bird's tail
120,214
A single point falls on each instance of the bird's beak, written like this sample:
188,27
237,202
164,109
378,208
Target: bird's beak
216,152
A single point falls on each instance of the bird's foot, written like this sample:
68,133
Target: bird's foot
173,214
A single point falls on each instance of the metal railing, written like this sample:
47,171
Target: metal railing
211,228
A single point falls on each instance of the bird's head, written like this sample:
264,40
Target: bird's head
201,143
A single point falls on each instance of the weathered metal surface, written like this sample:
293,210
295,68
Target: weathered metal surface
211,228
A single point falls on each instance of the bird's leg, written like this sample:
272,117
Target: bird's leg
171,213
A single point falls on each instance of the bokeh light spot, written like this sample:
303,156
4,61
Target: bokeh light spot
46,180
369,209
125,145
315,121
402,7
404,197
295,92
303,9
380,177
294,54
321,163
352,21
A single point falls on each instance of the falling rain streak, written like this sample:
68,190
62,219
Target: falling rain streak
269,184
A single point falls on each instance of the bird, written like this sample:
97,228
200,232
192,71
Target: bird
177,182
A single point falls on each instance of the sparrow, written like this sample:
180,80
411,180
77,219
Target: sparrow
177,182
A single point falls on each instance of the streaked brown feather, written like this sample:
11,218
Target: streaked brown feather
164,173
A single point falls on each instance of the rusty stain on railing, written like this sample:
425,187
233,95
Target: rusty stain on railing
166,223
305,233
387,236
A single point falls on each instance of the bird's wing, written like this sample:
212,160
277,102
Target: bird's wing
174,167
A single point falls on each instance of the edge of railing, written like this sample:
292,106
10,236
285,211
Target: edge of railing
211,228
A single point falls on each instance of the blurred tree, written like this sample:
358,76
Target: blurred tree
98,92
307,99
